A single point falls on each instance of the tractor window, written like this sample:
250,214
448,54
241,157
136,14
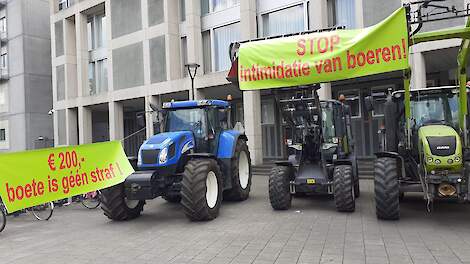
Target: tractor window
186,120
435,109
328,125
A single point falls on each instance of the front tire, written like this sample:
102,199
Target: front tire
241,174
387,189
279,187
115,205
201,189
343,187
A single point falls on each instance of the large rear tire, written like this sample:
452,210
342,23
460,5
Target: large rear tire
387,189
241,174
279,187
116,206
343,188
201,189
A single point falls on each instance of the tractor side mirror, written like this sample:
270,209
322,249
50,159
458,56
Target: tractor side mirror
369,103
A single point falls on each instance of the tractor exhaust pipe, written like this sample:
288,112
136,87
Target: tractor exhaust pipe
446,189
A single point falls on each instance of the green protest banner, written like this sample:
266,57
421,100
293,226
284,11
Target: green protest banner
325,56
39,176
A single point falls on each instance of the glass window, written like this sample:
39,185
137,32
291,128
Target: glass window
186,120
354,102
60,82
267,113
380,97
3,24
59,38
208,6
156,14
285,21
223,36
2,95
158,59
4,61
3,134
206,51
97,42
91,78
182,10
345,13
331,10
184,54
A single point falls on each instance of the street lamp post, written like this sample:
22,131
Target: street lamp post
192,70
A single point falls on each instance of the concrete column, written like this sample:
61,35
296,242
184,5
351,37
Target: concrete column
116,121
318,18
194,40
85,124
418,70
325,91
82,54
149,114
174,69
251,99
71,117
252,115
318,15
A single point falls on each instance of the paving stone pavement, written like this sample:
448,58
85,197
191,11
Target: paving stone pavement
247,232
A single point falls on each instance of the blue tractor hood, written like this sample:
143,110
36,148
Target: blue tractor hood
175,143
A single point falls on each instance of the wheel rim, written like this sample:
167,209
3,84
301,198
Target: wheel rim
243,170
212,189
131,204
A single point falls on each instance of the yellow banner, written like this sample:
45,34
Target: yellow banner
325,56
39,176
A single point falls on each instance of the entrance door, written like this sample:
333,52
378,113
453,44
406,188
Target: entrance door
270,125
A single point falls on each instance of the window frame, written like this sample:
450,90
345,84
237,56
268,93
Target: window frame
211,8
380,89
97,53
305,8
353,94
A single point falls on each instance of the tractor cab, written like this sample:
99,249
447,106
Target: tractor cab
205,119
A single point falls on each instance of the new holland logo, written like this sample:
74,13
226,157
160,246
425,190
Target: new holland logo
443,147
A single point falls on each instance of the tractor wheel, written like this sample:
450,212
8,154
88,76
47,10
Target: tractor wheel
279,187
387,189
172,198
116,206
241,174
343,188
201,189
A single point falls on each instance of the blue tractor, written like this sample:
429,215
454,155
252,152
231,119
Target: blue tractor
197,160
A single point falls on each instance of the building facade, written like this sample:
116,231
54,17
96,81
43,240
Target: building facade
25,75
112,58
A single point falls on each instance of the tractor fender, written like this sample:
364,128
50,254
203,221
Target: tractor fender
393,155
227,142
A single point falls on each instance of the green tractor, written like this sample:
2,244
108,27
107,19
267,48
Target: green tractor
424,142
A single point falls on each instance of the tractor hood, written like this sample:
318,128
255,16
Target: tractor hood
442,147
164,149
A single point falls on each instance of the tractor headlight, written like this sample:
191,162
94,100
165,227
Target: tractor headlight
163,157
450,161
457,159
437,161
429,159
139,158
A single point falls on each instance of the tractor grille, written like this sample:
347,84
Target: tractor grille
442,146
150,156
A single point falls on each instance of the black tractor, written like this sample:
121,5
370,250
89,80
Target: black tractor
321,159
